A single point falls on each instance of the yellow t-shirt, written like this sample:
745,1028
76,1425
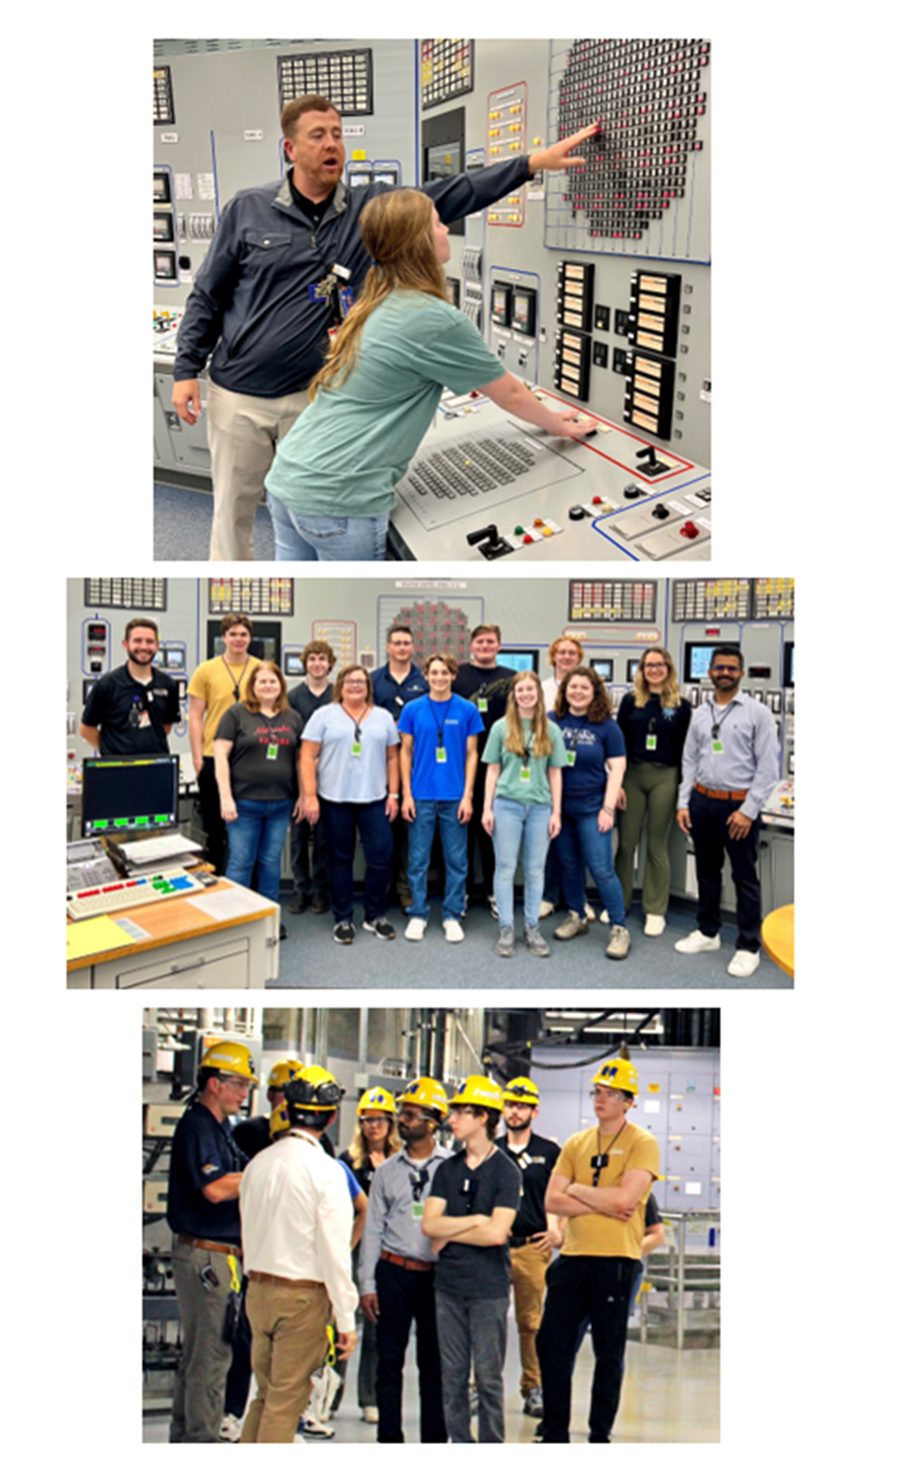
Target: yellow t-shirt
216,685
595,1235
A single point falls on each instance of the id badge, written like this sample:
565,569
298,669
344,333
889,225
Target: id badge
717,747
651,743
143,719
357,748
525,774
417,1210
482,704
441,755
271,753
571,757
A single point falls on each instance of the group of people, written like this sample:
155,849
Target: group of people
265,1220
488,760
328,427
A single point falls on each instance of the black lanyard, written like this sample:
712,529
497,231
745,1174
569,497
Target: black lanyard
599,1161
449,703
234,684
419,1179
716,724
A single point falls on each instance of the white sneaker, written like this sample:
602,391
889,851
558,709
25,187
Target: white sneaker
604,917
312,1429
230,1428
453,931
589,912
370,1414
492,905
694,943
546,908
744,963
416,928
654,924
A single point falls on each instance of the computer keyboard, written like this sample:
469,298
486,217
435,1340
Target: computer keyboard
170,884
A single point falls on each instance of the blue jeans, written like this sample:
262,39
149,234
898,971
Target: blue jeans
455,857
257,836
342,820
516,822
300,536
579,842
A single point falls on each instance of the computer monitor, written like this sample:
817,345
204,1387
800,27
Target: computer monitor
519,659
126,795
697,662
294,668
633,666
789,665
604,668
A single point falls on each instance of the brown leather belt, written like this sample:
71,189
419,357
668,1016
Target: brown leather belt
518,1241
283,1281
408,1262
721,796
223,1246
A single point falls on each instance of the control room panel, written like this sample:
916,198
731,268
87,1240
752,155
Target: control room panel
592,285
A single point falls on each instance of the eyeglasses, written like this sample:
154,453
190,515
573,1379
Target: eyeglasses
725,669
232,1081
463,1109
355,684
655,667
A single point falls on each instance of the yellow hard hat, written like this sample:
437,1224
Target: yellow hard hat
426,1093
282,1072
618,1074
480,1092
315,1089
376,1100
230,1057
521,1090
280,1120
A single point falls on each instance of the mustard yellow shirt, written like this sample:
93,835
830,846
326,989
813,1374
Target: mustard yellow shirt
596,1235
216,685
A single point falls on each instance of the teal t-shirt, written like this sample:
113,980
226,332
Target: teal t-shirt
510,784
349,448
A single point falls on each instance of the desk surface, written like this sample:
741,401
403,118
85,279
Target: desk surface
169,921
778,937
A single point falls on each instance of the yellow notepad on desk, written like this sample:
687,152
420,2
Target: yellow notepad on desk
96,935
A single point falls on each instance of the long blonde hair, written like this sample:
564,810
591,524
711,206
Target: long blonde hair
359,1152
513,740
397,230
670,697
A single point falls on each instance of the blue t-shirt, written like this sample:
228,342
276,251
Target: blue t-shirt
342,776
584,783
428,721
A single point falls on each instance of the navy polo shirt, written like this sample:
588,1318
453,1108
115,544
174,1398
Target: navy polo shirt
584,783
203,1151
424,720
393,696
118,704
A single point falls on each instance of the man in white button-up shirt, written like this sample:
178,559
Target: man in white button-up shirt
296,1232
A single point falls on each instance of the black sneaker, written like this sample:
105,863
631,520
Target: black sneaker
344,932
320,904
283,932
298,904
381,928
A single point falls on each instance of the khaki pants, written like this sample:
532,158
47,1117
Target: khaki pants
243,432
528,1265
288,1344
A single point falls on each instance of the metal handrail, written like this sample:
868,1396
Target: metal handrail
682,1275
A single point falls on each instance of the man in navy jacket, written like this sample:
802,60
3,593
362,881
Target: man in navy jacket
252,308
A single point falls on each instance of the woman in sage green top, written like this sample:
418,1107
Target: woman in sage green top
331,486
522,805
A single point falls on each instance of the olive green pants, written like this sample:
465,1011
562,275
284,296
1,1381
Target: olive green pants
650,792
